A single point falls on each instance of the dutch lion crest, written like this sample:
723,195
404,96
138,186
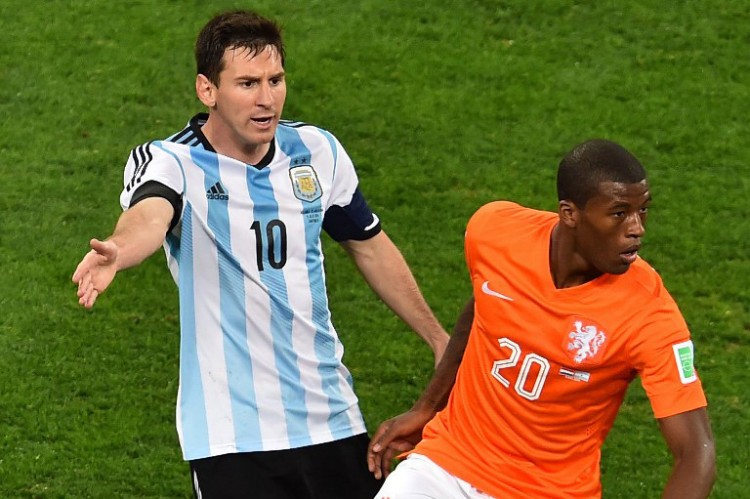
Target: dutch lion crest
585,341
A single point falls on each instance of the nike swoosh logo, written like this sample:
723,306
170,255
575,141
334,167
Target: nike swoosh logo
375,221
486,290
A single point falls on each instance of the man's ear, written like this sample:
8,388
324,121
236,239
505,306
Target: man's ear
569,213
205,90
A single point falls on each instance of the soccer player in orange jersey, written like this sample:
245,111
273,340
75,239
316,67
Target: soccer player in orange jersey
564,315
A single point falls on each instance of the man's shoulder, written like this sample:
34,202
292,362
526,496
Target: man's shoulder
507,214
191,134
187,136
643,278
298,125
157,150
289,130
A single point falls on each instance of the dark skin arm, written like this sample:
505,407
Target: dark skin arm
688,436
403,432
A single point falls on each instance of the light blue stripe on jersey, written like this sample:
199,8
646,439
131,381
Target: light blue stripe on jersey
265,210
325,344
194,423
233,314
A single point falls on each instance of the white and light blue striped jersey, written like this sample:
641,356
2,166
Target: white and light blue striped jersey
260,361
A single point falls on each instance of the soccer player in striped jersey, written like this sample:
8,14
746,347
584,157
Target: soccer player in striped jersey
564,315
238,199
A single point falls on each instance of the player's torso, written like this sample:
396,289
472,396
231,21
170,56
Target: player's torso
545,369
254,313
555,361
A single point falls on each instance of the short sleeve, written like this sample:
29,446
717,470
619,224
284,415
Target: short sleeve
476,229
150,162
345,181
347,215
663,355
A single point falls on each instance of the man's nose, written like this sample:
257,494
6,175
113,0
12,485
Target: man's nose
636,227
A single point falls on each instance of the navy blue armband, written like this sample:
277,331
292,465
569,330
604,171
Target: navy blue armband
354,221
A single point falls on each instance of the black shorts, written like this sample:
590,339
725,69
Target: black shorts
334,470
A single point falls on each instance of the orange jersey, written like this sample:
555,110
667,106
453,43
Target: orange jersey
545,369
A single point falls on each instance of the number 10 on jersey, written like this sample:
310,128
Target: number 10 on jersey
270,241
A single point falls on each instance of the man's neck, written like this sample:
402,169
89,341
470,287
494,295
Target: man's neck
567,268
221,141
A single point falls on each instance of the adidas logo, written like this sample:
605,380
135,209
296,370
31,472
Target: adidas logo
217,192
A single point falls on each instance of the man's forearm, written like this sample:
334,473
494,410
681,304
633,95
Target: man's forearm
690,440
387,273
140,231
435,396
688,481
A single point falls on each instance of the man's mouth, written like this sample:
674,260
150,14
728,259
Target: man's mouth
263,120
630,254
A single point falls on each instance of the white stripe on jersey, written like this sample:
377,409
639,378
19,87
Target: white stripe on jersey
270,413
260,363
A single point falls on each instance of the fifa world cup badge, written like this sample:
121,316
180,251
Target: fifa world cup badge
683,356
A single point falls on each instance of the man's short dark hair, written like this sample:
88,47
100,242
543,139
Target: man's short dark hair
231,30
592,162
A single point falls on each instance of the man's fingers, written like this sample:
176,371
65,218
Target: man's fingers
378,440
375,447
388,456
373,462
393,437
89,299
105,249
395,448
87,292
400,446
97,245
92,298
85,266
94,270
82,282
371,465
81,270
387,460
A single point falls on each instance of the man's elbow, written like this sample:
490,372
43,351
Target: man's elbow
702,456
708,460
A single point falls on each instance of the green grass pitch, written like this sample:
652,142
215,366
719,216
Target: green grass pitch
443,106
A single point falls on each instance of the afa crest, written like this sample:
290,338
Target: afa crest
305,183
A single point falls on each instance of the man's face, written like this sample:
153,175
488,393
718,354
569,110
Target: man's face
610,227
246,103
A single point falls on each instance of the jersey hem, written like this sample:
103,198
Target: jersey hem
255,446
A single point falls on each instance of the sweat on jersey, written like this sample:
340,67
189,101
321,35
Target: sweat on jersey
545,369
260,360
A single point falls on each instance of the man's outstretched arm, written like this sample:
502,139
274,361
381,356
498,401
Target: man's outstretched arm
139,232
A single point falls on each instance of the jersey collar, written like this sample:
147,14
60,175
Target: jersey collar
196,124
